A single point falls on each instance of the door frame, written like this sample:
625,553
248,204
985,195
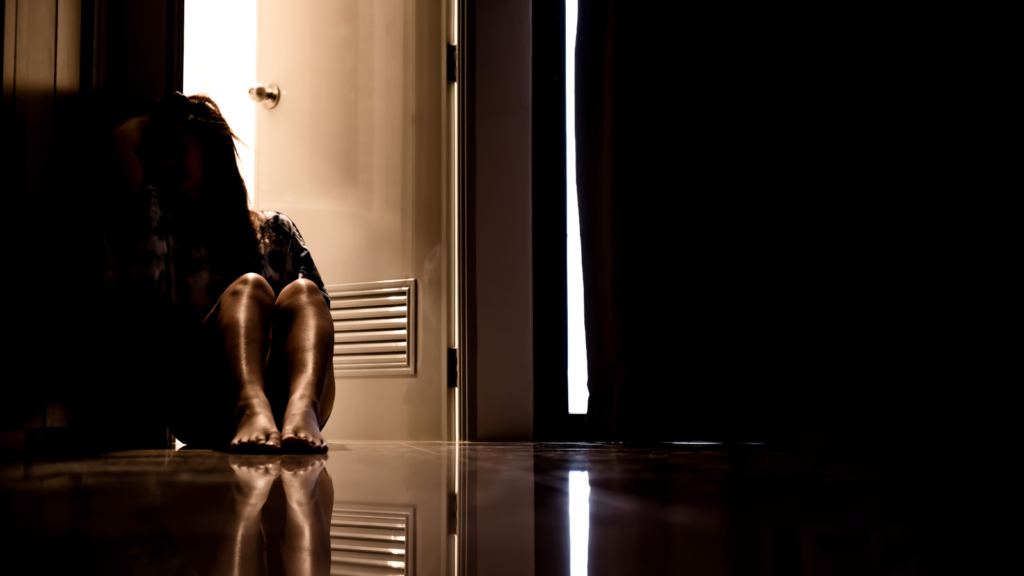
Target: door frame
464,229
550,414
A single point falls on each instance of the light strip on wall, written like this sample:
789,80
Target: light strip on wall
577,335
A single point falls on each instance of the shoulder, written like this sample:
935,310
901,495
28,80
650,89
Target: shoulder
276,223
271,220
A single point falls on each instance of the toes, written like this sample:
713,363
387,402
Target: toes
302,442
259,441
292,440
274,441
246,445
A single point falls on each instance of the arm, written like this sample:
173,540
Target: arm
126,140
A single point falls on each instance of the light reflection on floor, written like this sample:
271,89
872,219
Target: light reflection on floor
517,509
579,522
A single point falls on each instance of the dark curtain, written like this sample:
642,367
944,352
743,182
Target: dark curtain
627,146
78,69
789,220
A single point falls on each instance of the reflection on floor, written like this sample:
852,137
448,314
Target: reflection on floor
473,509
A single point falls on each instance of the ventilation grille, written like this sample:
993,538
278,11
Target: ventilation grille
374,328
375,541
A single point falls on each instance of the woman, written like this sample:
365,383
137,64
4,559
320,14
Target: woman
236,319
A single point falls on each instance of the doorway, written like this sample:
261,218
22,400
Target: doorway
359,153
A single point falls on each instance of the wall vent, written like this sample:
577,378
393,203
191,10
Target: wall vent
374,328
371,540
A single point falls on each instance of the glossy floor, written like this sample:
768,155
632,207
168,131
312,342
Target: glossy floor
475,509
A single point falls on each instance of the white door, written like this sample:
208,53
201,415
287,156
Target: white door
356,153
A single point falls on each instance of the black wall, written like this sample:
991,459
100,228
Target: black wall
72,70
812,212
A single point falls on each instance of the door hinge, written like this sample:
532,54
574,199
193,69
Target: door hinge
453,513
453,63
453,368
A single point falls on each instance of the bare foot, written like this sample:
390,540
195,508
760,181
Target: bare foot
256,430
255,476
301,430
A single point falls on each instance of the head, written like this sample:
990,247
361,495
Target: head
185,162
189,147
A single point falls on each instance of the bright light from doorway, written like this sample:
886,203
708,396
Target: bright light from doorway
220,61
578,393
579,522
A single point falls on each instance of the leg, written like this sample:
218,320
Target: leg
238,325
299,369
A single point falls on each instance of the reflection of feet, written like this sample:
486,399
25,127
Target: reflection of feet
255,476
256,432
299,475
301,431
307,548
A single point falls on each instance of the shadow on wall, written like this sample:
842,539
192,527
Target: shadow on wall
72,69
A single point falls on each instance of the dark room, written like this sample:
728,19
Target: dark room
582,288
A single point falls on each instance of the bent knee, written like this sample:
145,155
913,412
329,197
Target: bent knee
301,292
252,285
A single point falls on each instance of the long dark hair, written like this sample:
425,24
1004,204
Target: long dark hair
227,220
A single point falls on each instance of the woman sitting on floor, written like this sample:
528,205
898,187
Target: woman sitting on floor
231,301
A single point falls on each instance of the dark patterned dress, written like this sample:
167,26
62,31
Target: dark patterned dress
284,255
156,266
160,289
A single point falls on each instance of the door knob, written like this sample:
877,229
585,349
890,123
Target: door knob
268,96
